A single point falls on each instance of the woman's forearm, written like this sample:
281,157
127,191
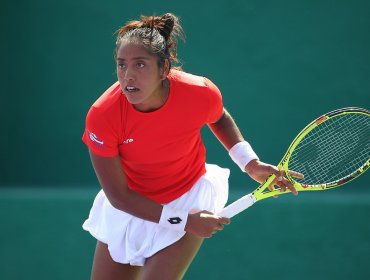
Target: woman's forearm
226,131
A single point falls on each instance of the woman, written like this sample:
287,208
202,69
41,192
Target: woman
159,198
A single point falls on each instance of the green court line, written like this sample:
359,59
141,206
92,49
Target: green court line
46,193
88,193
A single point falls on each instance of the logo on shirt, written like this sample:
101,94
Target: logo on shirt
96,140
128,140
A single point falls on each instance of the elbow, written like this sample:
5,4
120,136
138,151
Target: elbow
119,201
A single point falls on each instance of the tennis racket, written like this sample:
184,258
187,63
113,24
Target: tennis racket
330,151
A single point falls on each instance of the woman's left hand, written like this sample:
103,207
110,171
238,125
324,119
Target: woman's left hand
260,171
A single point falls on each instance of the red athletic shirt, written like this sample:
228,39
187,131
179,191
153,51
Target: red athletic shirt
162,152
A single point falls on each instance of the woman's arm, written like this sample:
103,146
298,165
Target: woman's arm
114,183
226,130
113,180
228,133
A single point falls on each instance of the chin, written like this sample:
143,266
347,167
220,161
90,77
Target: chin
132,99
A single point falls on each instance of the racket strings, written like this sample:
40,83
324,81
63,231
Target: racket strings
333,150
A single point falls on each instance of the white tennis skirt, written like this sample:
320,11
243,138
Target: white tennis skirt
132,240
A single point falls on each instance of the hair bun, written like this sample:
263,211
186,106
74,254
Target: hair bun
166,24
158,33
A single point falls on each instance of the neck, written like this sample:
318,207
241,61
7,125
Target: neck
160,100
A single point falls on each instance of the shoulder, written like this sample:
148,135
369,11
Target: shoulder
189,87
192,81
107,106
109,98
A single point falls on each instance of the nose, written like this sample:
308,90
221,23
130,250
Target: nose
129,75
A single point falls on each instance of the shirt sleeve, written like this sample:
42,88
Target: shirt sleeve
216,106
99,134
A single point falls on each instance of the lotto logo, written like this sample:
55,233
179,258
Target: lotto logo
174,220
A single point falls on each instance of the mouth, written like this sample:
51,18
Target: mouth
131,89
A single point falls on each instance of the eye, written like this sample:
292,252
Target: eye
140,65
121,65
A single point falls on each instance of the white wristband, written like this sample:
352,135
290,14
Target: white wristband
173,219
242,153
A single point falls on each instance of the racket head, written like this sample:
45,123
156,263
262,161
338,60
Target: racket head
330,151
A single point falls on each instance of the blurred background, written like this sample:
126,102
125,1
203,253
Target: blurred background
279,64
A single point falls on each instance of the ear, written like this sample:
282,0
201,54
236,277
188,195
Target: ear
165,69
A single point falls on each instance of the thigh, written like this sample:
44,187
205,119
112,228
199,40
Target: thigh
172,262
104,268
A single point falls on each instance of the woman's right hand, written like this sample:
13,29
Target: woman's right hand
205,224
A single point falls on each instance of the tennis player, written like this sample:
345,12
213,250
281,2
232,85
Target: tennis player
159,198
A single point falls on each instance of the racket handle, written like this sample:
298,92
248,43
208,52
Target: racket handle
238,206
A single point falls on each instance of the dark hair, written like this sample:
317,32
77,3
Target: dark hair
158,33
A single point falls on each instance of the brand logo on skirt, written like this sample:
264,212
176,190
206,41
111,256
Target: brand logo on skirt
174,220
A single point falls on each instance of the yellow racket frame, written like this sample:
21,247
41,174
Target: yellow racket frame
263,192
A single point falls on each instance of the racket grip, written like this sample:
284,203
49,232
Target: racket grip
238,206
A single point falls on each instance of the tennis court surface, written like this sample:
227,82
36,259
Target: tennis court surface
322,235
